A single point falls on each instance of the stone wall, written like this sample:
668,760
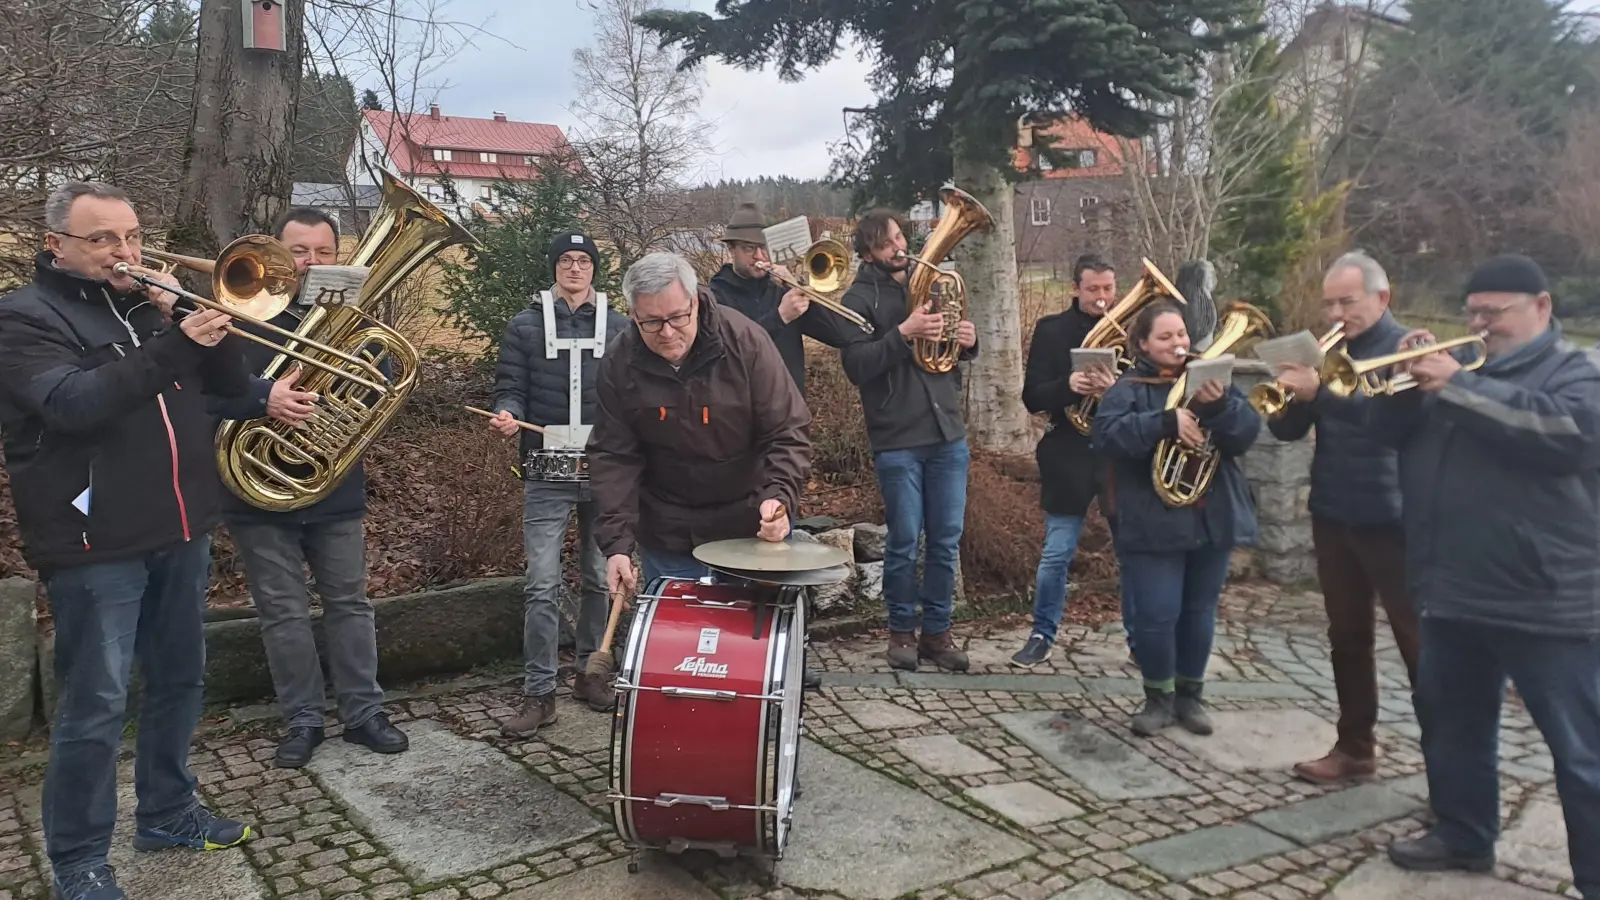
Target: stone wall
1280,479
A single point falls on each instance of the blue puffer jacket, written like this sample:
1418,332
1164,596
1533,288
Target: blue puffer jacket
1500,475
1131,421
1355,478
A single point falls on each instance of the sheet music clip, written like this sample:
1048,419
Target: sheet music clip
334,285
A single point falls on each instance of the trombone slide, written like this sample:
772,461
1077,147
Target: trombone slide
820,299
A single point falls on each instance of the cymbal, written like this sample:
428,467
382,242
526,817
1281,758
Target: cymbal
757,555
830,575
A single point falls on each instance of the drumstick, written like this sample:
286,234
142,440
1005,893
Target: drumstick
520,424
601,663
779,513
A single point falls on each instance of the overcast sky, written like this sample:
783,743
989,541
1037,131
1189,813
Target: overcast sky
522,65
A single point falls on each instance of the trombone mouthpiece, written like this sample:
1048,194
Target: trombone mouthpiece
120,268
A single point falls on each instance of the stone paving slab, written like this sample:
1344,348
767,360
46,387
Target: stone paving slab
945,755
577,729
876,715
657,879
1321,819
1018,684
449,806
1537,840
1106,767
1379,879
1243,690
1255,740
1094,889
1025,803
861,835
859,679
1209,850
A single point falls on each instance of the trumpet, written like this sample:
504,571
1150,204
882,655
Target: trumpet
827,264
1271,399
1345,376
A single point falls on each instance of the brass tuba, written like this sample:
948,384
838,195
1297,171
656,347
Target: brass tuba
1271,399
947,291
1183,474
282,467
1111,333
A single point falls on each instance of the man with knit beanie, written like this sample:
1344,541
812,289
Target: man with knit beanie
549,361
1500,485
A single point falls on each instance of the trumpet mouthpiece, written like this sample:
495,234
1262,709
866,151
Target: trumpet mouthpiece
120,268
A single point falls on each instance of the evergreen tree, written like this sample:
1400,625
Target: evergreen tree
952,81
505,275
370,100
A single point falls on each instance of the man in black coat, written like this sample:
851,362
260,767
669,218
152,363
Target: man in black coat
1069,475
328,537
786,314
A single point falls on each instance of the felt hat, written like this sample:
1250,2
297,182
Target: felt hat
746,225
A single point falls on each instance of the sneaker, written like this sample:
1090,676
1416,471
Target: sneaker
197,829
940,649
98,883
1035,651
536,713
295,750
594,691
902,652
1430,853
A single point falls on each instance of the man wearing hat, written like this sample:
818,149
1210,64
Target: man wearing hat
1500,487
549,360
784,313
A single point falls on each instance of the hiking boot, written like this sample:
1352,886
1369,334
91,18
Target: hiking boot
536,713
98,883
379,735
1156,715
197,829
295,750
902,652
593,691
1338,767
1430,853
1190,712
1034,652
940,649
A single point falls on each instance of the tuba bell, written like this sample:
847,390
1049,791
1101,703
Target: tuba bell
1182,475
946,291
1111,333
280,467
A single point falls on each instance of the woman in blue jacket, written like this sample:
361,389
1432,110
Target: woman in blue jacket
1174,560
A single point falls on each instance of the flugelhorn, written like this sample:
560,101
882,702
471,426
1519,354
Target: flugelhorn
1346,376
1271,399
945,291
827,265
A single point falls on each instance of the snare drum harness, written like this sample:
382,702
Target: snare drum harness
574,434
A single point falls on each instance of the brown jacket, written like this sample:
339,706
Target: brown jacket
677,459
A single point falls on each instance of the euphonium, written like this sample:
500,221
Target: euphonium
1345,376
947,291
282,467
1111,333
1182,474
1271,399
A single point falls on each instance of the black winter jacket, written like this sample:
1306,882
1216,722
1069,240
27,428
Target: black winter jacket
1500,472
107,438
533,388
759,299
904,405
1355,478
1130,423
347,501
1070,473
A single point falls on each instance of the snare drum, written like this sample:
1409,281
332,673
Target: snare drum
707,728
556,465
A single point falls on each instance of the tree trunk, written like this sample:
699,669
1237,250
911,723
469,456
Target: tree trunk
996,419
236,169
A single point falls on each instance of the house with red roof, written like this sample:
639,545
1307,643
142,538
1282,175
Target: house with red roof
1065,210
426,149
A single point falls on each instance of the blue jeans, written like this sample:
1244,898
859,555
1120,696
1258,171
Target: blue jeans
1174,606
924,494
105,614
1461,685
655,564
1050,581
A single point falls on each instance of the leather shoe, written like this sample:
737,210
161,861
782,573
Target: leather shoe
1430,853
378,735
1338,767
296,747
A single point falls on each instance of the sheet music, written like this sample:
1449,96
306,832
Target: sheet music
1085,359
1201,371
787,241
334,285
1299,348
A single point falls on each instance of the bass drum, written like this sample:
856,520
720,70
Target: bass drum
707,728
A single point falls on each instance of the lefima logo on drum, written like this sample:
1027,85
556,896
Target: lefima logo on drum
699,668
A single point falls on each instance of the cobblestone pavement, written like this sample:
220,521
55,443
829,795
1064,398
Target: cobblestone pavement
1001,783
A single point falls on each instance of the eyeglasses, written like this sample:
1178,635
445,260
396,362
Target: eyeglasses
653,326
1489,314
574,262
103,240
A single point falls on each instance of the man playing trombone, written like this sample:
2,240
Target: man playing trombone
109,448
1355,516
746,284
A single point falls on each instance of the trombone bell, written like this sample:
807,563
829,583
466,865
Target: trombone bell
254,277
